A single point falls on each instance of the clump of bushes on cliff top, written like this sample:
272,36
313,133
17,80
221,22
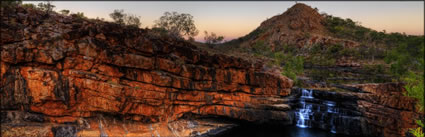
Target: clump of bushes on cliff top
46,7
177,24
122,18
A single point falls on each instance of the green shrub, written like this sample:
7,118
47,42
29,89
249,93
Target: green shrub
415,87
293,65
417,132
334,51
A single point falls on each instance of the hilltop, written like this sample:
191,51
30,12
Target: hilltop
300,25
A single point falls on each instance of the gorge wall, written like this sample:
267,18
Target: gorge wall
62,68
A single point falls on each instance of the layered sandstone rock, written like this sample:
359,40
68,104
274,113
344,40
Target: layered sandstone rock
66,68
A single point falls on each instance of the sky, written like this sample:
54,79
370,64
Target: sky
238,18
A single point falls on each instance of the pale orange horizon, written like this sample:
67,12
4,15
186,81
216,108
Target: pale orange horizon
236,19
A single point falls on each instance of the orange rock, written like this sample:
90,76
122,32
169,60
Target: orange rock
86,68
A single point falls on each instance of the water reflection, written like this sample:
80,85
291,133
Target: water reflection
285,131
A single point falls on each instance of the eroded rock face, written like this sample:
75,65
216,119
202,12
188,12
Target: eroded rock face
65,68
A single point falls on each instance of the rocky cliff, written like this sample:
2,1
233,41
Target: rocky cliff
63,68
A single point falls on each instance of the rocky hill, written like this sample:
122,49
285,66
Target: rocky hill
300,25
338,47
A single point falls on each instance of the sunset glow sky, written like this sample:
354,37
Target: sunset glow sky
238,18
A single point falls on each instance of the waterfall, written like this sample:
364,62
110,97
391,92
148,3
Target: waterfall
310,111
305,112
306,94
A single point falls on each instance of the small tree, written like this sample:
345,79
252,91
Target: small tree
177,24
47,7
64,12
132,20
118,16
212,38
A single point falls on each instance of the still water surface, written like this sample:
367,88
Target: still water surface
287,131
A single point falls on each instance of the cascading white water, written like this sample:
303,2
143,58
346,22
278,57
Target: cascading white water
305,112
334,112
331,106
306,94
